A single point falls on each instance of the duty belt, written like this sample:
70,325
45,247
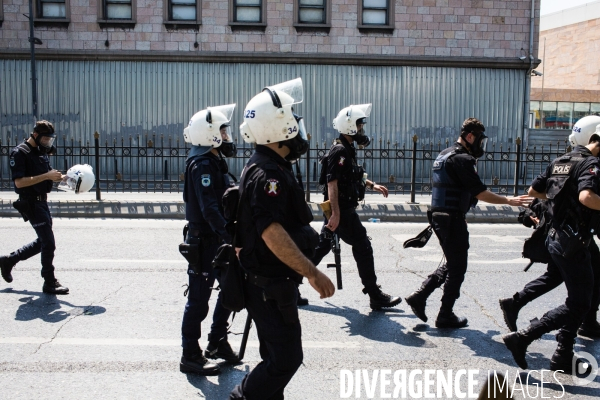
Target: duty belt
27,197
261,281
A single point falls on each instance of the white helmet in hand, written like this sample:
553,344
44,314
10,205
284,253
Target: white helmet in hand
584,129
211,127
348,120
269,118
78,179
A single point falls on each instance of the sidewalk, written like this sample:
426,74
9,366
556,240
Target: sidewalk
395,208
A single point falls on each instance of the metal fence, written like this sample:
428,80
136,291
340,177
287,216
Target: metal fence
152,163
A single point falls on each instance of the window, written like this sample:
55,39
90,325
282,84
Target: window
376,14
117,12
183,13
51,12
247,13
560,115
312,14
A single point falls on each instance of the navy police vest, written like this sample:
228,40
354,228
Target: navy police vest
447,195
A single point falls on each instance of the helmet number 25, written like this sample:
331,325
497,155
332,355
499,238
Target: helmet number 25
250,114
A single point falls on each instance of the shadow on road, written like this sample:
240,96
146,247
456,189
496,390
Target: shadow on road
387,329
226,381
46,307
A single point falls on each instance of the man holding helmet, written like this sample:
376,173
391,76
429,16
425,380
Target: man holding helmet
456,188
206,179
571,185
344,186
277,240
33,177
552,278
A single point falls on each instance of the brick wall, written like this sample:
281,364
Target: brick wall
572,61
467,28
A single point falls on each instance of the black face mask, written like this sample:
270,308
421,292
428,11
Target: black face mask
228,149
41,148
362,140
477,149
297,146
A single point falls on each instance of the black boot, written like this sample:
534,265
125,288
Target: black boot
562,359
196,363
510,309
381,300
447,319
221,349
53,286
418,300
590,327
517,342
6,266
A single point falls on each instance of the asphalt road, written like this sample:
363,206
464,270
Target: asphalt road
117,335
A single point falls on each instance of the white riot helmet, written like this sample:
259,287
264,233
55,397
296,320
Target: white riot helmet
269,118
205,127
348,117
79,179
583,130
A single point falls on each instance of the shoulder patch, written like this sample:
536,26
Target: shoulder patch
205,180
12,162
341,161
594,170
272,187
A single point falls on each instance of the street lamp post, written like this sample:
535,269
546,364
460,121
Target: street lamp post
32,42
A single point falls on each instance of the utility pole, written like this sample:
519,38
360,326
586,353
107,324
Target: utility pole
32,42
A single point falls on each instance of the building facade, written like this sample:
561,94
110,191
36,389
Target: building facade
133,67
569,88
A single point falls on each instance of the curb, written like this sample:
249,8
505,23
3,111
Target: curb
176,210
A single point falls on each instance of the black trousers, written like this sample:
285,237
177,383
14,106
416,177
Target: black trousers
201,279
451,230
576,271
352,232
280,349
41,220
552,278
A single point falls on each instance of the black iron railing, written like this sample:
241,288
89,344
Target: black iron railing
156,164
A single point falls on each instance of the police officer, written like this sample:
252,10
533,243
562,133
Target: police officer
33,176
456,188
206,179
344,186
276,239
571,185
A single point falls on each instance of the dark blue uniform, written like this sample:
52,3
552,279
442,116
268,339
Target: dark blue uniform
570,236
455,187
206,180
341,166
270,194
26,161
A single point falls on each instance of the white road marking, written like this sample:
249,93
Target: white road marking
158,342
123,260
475,261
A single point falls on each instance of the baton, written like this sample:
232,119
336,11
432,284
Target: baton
245,337
335,247
528,266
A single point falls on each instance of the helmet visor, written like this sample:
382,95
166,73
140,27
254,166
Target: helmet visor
292,88
70,184
302,129
226,110
47,141
225,132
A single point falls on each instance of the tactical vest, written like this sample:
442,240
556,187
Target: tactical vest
219,181
561,189
447,195
351,190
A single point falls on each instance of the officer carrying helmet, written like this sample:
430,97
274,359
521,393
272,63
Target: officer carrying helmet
33,177
456,188
552,278
571,185
206,179
277,238
344,186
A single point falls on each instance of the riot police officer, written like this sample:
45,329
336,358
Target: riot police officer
206,179
277,238
33,176
344,186
456,188
571,185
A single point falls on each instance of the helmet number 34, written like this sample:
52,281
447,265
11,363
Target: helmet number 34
250,114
